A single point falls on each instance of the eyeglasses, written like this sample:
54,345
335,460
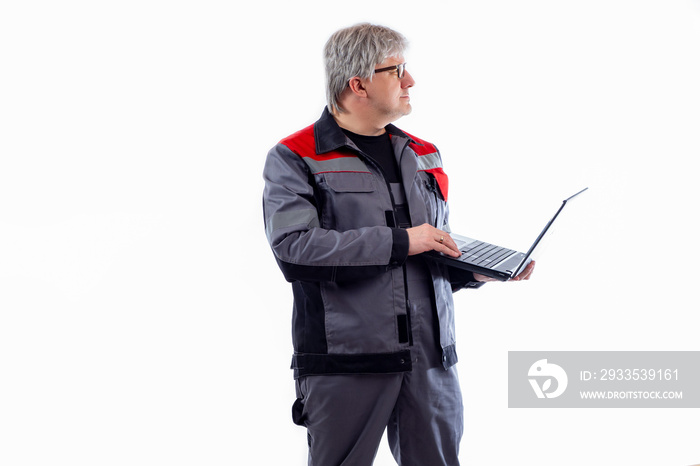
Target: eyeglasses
400,69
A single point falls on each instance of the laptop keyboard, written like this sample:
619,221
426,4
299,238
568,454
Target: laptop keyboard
484,254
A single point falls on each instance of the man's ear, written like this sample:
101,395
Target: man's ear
357,86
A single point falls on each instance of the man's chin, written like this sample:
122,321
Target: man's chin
396,114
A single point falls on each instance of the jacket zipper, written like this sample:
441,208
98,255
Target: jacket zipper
405,274
432,188
393,207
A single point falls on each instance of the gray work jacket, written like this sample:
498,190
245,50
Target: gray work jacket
329,219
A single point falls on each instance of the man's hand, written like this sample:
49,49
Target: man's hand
428,238
524,275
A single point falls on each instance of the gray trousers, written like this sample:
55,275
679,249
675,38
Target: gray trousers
345,415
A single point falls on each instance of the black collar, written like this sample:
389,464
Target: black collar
329,136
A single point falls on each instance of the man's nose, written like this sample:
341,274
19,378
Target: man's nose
407,80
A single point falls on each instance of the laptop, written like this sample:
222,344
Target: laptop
491,260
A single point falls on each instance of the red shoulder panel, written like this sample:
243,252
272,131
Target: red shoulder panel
425,148
302,142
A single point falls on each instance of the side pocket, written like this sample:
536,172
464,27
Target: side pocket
298,412
298,407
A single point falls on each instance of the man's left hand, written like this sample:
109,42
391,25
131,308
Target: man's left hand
524,275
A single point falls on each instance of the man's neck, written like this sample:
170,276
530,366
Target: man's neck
357,125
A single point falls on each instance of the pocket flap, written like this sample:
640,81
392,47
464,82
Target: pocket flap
350,182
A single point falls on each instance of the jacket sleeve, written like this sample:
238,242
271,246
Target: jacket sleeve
460,279
304,250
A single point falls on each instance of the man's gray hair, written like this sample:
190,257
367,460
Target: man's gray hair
356,51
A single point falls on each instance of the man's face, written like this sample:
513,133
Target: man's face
388,94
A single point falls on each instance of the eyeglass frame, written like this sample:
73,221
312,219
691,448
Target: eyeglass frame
400,69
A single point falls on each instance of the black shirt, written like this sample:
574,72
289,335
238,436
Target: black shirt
379,148
381,151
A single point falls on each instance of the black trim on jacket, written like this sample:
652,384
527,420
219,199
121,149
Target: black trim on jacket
373,363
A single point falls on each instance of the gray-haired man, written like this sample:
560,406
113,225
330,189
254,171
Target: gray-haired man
350,203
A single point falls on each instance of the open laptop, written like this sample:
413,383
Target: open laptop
491,260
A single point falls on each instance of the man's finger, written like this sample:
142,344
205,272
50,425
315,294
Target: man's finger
446,241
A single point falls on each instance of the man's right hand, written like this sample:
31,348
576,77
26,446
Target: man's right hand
428,238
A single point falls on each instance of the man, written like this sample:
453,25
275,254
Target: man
350,203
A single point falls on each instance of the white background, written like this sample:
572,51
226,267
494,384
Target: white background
143,319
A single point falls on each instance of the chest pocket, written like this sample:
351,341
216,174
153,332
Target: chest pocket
349,200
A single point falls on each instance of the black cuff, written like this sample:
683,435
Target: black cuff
460,279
